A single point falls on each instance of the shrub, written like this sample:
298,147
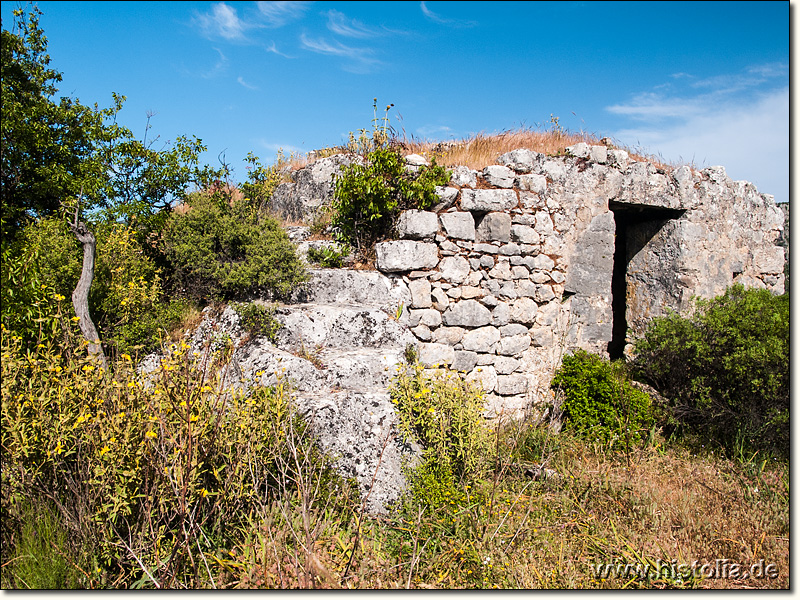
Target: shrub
257,319
158,473
331,258
223,251
599,402
369,194
725,368
444,414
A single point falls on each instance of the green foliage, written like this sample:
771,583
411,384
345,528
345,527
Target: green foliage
328,257
39,561
126,299
444,414
156,472
600,403
222,251
369,194
725,368
371,191
55,151
262,181
258,319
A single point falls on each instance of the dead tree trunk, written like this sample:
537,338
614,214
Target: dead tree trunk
80,297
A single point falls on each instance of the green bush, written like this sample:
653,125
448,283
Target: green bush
444,414
223,251
725,368
369,194
331,258
257,319
600,403
158,473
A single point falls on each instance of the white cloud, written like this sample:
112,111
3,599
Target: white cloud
427,130
750,138
240,80
221,22
361,58
441,20
340,24
219,67
277,14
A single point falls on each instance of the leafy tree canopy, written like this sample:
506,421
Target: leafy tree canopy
54,150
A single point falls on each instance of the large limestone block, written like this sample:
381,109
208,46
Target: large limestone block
481,339
521,160
464,361
430,355
499,176
448,335
464,176
417,225
494,227
405,255
488,200
508,385
524,234
467,313
459,225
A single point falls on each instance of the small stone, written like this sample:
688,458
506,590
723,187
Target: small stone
405,255
524,234
447,197
415,160
468,291
426,316
512,329
487,262
501,271
431,354
532,183
501,314
439,299
485,376
524,311
505,365
448,335
454,269
513,345
510,250
464,176
420,293
483,201
519,272
417,225
490,301
508,385
521,160
495,226
422,332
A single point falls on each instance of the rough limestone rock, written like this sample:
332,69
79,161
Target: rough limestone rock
483,201
405,255
310,188
417,225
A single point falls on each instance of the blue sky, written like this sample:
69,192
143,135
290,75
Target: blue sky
691,81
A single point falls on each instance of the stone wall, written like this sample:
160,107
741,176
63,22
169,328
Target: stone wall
537,255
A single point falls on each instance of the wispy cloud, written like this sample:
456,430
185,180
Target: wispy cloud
428,130
360,59
274,49
278,14
222,22
737,120
219,67
441,20
340,24
240,80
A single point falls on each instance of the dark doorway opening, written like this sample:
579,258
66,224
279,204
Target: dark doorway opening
635,225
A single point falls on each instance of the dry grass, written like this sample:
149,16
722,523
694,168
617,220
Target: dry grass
512,532
482,150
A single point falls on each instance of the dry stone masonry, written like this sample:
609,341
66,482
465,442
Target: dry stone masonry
515,266
538,255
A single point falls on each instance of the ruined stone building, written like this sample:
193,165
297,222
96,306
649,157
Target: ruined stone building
517,265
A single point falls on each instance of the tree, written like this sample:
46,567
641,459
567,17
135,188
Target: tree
64,158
